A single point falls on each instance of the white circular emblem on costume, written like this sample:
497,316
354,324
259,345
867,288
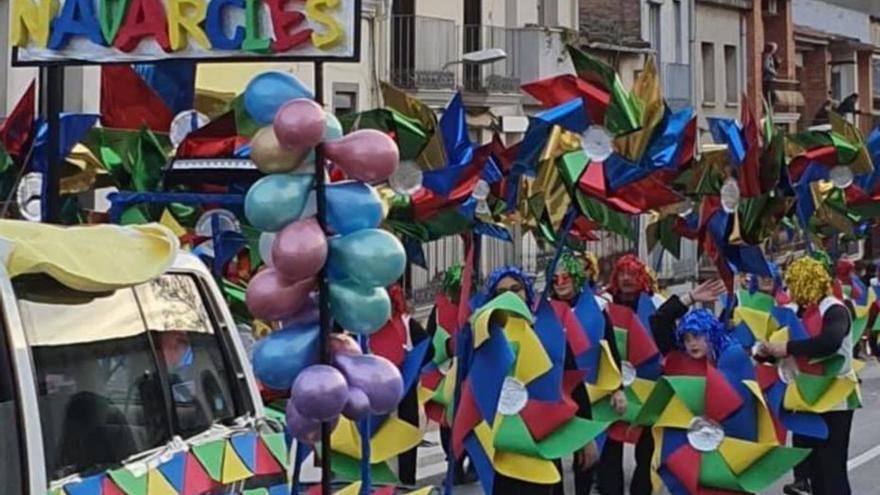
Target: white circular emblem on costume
514,397
704,434
628,373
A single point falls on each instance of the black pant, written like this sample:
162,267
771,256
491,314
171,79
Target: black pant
826,465
802,470
611,467
510,486
445,437
408,411
583,479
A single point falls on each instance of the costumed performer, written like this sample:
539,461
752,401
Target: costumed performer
822,350
583,317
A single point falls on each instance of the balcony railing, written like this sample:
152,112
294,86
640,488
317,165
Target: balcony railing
502,76
422,49
426,53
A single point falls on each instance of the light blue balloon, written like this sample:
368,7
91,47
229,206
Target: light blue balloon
277,200
266,93
280,357
358,309
369,258
332,131
353,206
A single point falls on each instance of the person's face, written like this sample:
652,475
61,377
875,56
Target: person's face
174,345
628,282
766,285
696,346
511,284
563,284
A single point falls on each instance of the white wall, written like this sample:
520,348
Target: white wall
446,9
833,19
722,27
667,31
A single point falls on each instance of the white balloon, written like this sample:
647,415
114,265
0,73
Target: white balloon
266,241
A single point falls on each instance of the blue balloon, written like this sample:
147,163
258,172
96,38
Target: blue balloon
332,131
266,93
353,206
358,309
277,200
280,357
369,258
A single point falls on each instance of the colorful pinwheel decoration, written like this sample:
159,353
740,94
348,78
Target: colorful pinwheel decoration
811,386
630,145
713,431
752,318
516,414
640,363
849,287
735,183
437,383
828,171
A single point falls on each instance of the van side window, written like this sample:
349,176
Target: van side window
11,476
199,378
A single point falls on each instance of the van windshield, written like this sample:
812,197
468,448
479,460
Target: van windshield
123,372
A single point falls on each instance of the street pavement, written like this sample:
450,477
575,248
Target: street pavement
864,454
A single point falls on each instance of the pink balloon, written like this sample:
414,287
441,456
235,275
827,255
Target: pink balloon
300,250
344,345
271,297
299,126
367,155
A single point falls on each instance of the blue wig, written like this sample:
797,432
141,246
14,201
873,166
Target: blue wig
774,272
703,323
488,292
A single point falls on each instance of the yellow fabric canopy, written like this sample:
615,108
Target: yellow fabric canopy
93,258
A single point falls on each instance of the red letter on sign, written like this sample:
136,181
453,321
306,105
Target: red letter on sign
283,22
144,18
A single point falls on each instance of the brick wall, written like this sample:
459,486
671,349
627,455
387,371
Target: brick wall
815,81
754,47
866,91
611,21
779,28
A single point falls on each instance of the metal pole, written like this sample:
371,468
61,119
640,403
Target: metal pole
54,91
323,296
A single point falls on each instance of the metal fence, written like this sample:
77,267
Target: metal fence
423,50
501,76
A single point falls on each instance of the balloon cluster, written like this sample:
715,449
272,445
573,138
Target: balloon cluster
361,259
355,385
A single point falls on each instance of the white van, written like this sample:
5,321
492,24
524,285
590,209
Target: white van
142,389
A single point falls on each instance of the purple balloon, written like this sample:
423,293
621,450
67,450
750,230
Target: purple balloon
320,392
299,126
358,405
377,377
300,250
309,314
304,429
271,297
367,155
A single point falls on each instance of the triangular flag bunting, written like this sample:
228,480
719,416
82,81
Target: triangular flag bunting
110,488
174,470
278,446
197,480
211,457
128,482
157,484
246,448
266,462
233,469
88,486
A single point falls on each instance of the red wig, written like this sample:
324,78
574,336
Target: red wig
630,263
398,300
